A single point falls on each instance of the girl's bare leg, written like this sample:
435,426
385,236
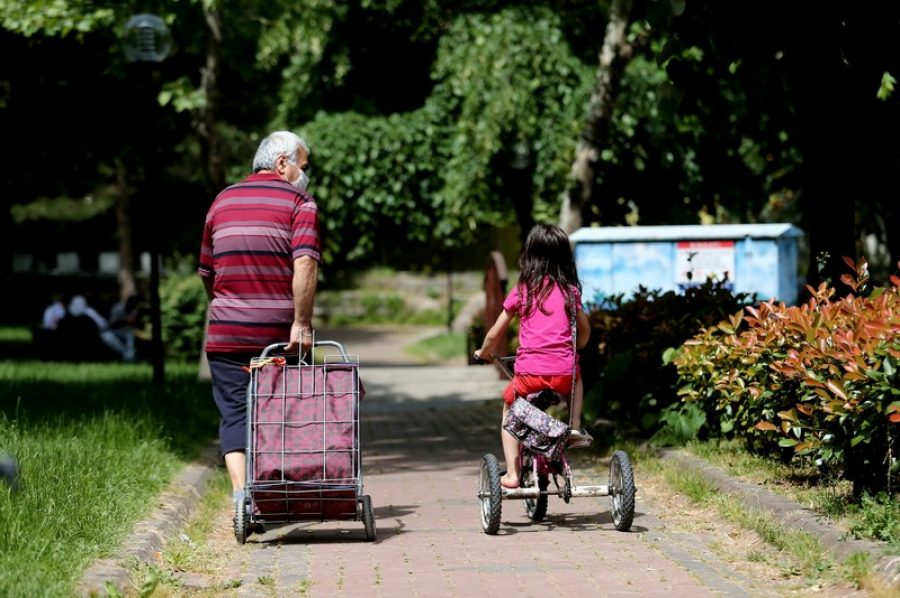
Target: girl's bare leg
577,402
510,454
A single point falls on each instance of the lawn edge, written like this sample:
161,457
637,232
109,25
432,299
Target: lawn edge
794,516
174,508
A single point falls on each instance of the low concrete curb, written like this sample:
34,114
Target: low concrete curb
836,541
175,506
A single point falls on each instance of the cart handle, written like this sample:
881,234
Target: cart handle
281,347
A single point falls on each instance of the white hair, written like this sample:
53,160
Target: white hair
279,143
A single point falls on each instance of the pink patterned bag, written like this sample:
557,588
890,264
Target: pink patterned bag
536,429
304,448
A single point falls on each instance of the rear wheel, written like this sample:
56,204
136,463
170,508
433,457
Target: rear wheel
621,491
489,494
535,508
368,518
240,521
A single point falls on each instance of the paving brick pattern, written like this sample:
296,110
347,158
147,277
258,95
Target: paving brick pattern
424,431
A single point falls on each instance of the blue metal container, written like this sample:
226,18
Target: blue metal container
751,258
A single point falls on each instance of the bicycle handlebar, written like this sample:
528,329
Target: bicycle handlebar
505,362
478,360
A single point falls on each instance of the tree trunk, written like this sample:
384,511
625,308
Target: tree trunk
122,198
207,130
831,104
891,214
209,84
614,55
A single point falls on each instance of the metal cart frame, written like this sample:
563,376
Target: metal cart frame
303,450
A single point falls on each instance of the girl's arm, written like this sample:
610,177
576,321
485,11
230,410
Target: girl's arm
494,335
583,327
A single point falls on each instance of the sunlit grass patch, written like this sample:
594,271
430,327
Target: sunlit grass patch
441,347
94,443
869,517
804,553
14,335
82,484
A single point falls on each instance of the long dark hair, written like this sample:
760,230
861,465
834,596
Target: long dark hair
547,260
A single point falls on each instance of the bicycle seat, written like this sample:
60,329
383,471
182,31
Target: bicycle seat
545,398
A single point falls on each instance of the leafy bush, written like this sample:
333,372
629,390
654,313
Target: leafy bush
183,311
624,373
401,188
817,380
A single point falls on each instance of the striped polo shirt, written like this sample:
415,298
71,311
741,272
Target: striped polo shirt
254,231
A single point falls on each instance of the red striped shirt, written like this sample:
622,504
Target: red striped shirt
254,231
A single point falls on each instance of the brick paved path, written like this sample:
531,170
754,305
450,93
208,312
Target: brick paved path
424,432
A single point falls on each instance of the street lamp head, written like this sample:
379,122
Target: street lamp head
147,39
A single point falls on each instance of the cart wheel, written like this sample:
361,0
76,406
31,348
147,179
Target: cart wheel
368,518
490,494
621,492
535,508
240,522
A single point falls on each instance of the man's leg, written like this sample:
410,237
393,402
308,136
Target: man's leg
113,342
236,464
127,336
229,385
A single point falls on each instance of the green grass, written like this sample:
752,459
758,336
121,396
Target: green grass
372,308
873,518
804,552
95,443
15,334
439,348
187,551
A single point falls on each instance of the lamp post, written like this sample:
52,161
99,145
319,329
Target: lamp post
147,41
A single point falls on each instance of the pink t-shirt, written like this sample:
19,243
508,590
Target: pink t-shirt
545,339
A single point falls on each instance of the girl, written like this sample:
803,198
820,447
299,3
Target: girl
547,292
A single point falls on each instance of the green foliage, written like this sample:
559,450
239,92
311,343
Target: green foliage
464,112
816,380
626,378
61,209
53,17
886,89
183,305
508,91
679,424
878,517
373,178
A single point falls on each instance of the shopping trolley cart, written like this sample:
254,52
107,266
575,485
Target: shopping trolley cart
303,451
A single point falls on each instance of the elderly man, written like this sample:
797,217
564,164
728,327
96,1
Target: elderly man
259,262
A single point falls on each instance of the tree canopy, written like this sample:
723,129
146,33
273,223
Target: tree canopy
433,122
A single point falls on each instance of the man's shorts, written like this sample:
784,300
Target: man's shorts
229,386
525,384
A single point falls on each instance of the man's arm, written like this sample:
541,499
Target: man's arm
208,281
306,274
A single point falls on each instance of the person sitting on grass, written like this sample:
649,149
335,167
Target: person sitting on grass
546,295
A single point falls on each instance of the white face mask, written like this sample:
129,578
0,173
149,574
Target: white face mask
302,180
